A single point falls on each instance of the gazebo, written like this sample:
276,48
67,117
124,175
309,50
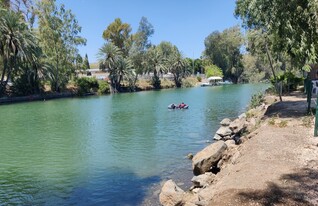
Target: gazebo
214,80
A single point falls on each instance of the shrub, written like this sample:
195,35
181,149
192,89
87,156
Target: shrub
189,82
86,85
256,100
213,70
199,79
290,81
283,123
166,83
103,87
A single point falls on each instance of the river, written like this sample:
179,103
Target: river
108,150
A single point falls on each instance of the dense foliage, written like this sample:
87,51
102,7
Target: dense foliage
223,49
285,31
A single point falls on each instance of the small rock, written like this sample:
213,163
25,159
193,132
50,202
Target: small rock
225,122
228,137
190,156
242,116
201,203
230,143
217,137
203,180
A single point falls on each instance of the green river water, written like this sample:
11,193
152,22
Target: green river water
108,150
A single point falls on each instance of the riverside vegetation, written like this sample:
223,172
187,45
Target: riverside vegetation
39,50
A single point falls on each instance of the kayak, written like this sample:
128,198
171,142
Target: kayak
174,106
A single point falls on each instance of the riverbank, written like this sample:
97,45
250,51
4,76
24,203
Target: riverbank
72,91
275,162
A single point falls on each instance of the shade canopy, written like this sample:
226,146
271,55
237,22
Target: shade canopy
214,78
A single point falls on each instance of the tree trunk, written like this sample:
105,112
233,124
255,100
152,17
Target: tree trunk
273,70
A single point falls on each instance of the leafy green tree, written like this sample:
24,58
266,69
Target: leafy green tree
118,66
59,38
139,47
118,33
86,63
179,68
213,70
79,63
141,38
291,26
17,45
288,28
196,65
223,49
155,63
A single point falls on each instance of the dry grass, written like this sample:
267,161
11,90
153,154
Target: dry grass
144,84
165,84
189,82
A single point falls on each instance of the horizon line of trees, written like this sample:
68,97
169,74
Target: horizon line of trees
280,38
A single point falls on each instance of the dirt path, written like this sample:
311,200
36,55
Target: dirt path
277,166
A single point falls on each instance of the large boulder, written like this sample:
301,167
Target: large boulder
209,156
171,194
225,122
224,131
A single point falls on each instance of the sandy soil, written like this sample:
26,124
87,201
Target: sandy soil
277,166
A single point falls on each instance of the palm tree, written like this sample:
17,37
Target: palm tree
118,66
179,67
155,62
17,44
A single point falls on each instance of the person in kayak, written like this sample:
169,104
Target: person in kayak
182,105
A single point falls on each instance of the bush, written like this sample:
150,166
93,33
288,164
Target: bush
189,82
103,87
86,85
213,70
166,83
290,81
199,79
256,100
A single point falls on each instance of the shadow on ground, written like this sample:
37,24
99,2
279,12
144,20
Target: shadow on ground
287,109
299,188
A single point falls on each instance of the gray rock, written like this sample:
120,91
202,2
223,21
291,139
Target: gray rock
238,125
224,131
242,116
217,137
225,122
209,156
203,180
230,143
171,194
226,138
190,156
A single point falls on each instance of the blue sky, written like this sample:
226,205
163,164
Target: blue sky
184,23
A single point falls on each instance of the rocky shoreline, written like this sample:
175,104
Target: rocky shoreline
218,161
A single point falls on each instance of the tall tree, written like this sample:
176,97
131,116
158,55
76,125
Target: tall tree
118,66
223,49
59,38
86,63
17,45
178,67
139,47
155,63
291,26
118,33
